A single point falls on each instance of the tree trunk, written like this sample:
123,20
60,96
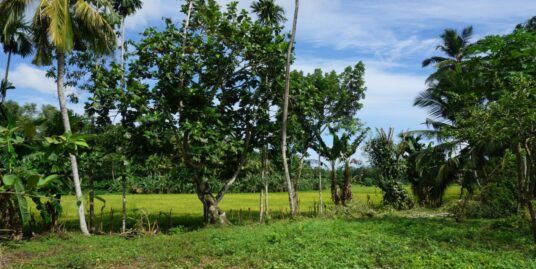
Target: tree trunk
124,217
532,218
122,53
6,76
266,198
321,202
290,188
123,88
67,127
264,180
334,192
296,181
346,191
91,203
212,214
524,191
261,209
186,25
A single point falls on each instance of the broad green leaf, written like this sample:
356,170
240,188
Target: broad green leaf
32,181
47,180
82,143
9,180
22,203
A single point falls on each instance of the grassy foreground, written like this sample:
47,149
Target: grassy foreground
382,242
418,238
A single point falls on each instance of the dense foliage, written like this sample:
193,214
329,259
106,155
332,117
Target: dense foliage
209,105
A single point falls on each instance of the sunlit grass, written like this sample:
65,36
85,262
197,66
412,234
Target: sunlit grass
186,209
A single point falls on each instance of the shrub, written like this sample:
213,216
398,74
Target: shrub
495,200
395,195
498,199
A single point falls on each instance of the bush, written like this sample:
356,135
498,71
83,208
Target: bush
495,200
395,195
498,199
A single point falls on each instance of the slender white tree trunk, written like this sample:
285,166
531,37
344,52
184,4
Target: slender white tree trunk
321,202
6,74
187,23
123,87
291,192
67,127
261,207
264,180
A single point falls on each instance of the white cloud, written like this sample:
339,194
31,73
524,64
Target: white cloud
389,30
389,96
28,77
151,12
394,30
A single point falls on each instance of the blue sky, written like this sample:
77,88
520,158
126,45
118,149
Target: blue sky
390,37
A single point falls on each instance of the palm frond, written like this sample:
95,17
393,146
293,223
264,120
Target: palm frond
43,54
97,31
60,28
14,7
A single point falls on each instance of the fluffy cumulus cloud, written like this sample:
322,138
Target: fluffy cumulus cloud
30,78
152,12
389,96
397,30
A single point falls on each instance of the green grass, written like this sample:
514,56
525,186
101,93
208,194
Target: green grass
405,239
186,209
381,242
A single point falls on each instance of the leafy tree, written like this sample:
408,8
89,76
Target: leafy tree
385,155
291,191
205,102
509,121
15,38
272,15
124,8
59,27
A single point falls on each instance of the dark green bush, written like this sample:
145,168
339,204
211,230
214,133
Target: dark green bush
496,199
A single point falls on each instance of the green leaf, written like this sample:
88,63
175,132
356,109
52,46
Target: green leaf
22,203
9,180
47,180
29,130
81,143
32,181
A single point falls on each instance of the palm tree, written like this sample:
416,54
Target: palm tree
272,15
292,197
269,12
59,27
16,39
453,46
124,8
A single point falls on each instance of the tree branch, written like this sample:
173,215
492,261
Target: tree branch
230,182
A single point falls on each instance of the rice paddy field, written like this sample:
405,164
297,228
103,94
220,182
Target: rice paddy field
186,210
